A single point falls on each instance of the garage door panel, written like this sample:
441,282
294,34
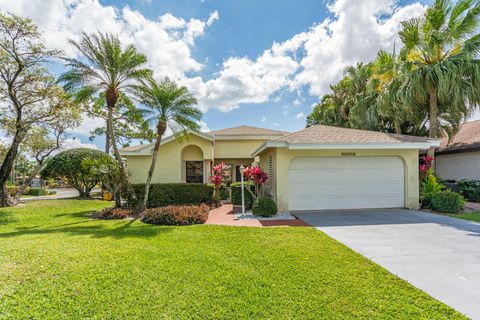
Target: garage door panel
346,183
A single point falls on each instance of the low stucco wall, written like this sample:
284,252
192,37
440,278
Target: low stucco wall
168,168
458,165
283,157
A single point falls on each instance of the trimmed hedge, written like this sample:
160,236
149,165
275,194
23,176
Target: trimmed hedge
176,215
448,202
236,195
38,192
167,194
264,207
470,189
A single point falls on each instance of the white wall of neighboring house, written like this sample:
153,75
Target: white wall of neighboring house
459,165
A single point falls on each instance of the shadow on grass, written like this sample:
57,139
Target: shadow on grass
94,228
6,217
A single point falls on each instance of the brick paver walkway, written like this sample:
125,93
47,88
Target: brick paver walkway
224,216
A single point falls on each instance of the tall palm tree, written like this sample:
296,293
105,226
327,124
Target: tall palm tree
105,68
441,48
167,105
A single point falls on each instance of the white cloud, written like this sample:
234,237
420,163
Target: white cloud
72,143
355,32
300,115
296,102
203,126
263,119
88,124
213,17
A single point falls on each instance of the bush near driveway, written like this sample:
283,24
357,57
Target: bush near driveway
176,215
264,207
448,202
166,194
470,189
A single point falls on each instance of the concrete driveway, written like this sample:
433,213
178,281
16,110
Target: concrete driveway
437,254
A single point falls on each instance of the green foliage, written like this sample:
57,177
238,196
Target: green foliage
77,167
236,195
264,207
38,192
470,189
166,194
448,201
13,190
176,215
224,193
428,188
431,85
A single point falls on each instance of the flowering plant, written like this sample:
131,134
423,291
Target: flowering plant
218,178
425,167
256,176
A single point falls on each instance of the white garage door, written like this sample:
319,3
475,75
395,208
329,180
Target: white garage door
346,183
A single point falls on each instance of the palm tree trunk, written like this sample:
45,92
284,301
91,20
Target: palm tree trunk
107,132
433,115
161,127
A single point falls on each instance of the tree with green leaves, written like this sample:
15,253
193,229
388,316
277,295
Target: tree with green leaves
77,167
29,91
441,50
167,106
105,69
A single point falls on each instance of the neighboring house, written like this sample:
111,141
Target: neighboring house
317,168
460,158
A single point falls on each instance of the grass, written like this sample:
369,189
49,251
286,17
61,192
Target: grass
57,263
471,216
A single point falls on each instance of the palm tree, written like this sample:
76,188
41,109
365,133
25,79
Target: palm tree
440,48
167,105
105,69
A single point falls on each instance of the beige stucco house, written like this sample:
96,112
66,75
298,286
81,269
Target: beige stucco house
317,168
459,157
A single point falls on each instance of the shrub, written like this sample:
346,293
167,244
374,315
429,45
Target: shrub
77,167
470,189
448,201
236,195
166,194
224,193
429,187
264,207
38,192
113,213
13,190
176,215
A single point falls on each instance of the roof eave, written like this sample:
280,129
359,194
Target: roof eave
350,146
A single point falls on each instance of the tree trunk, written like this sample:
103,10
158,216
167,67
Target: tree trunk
161,127
107,132
7,167
433,115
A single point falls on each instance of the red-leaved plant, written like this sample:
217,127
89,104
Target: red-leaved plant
256,176
218,178
425,167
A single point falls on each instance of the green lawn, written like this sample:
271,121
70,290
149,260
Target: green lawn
57,263
472,216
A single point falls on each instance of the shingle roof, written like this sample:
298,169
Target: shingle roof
321,134
247,130
468,137
134,148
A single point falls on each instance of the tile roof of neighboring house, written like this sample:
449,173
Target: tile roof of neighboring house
134,148
247,130
320,134
467,138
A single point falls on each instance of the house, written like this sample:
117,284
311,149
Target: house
459,158
317,168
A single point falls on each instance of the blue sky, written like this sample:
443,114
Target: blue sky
261,63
